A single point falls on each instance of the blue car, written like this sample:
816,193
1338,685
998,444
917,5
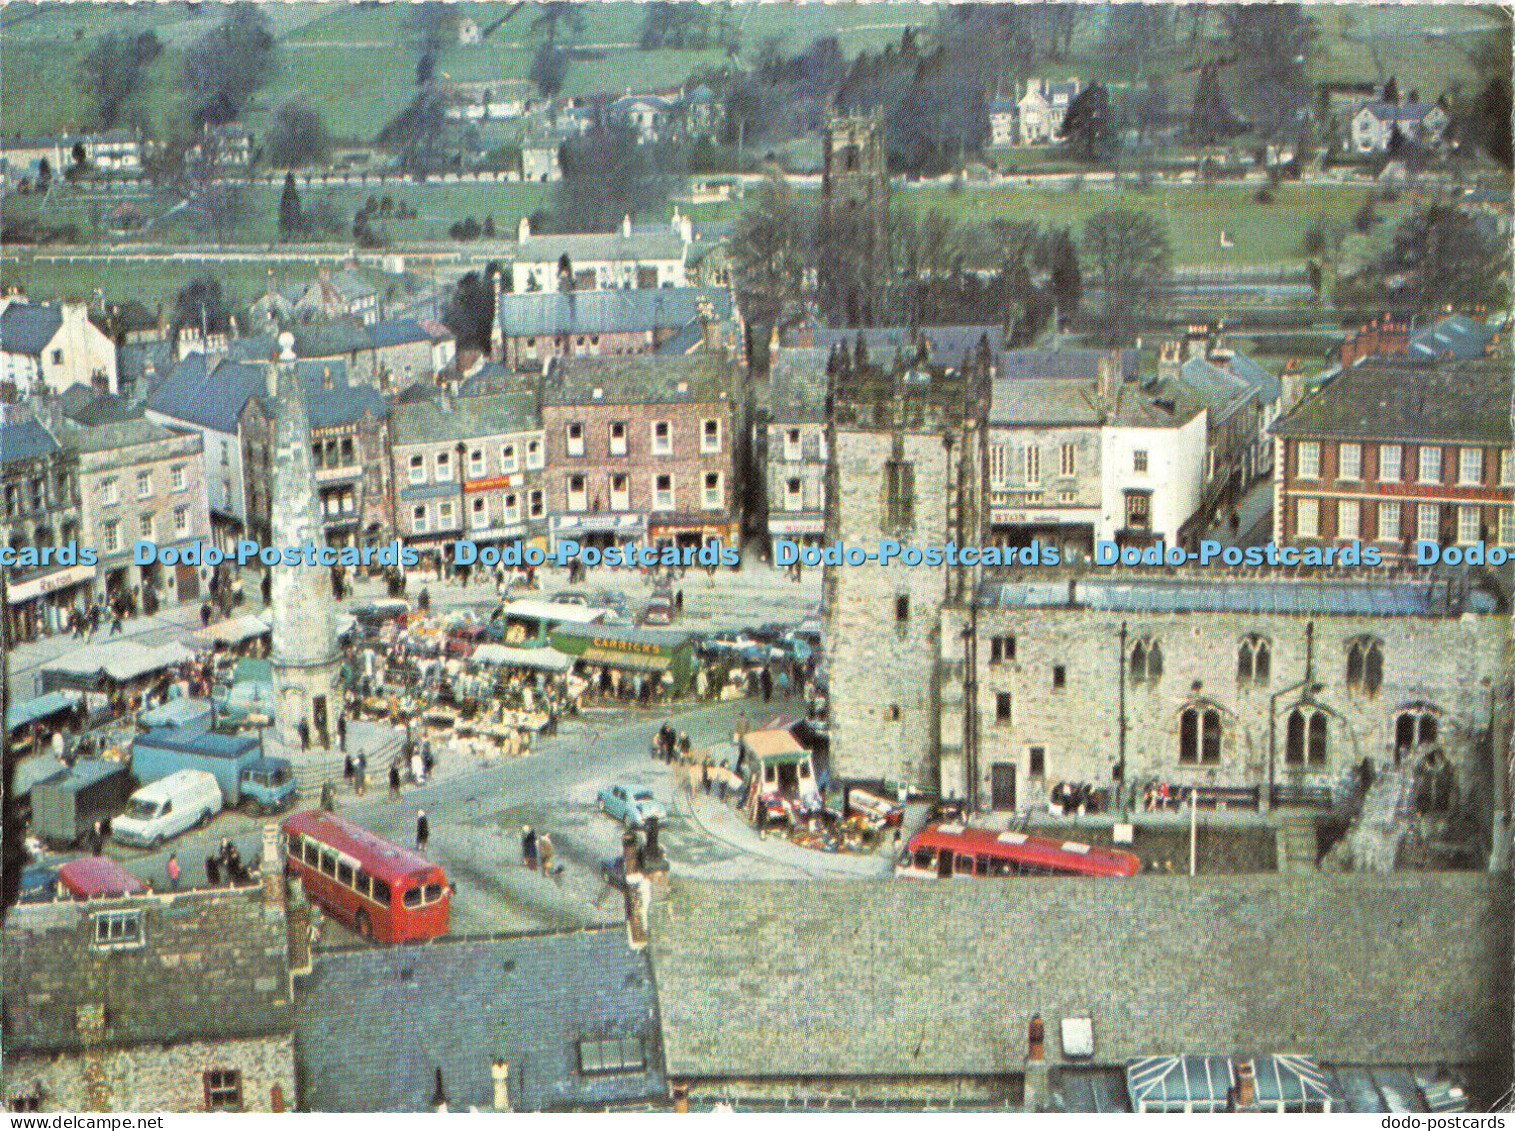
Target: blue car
630,804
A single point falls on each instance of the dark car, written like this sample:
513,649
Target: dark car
38,884
374,616
768,633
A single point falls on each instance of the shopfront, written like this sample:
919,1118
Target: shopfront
599,530
42,604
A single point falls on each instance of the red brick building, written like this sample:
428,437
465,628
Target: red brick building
644,449
1393,453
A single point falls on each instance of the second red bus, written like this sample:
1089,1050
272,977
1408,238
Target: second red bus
379,889
942,850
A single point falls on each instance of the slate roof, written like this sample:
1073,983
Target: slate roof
844,978
1463,337
1237,595
327,339
132,360
117,434
1407,112
638,379
1398,399
341,404
608,311
495,414
685,341
153,994
397,331
23,440
26,328
601,247
351,285
947,343
797,384
1223,393
83,405
373,1026
1046,402
1003,106
702,93
1074,364
211,399
1135,408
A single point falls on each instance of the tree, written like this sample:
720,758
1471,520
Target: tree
680,25
414,133
111,74
1089,123
469,313
1130,253
1210,119
201,305
549,69
1059,256
1273,44
1440,259
426,66
773,247
431,22
606,175
290,221
556,12
223,69
225,205
297,135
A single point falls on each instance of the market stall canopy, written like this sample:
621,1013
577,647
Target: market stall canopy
119,660
341,623
637,649
39,767
20,714
232,631
542,659
1206,1083
775,746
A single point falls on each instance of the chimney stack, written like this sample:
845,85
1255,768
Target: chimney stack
638,900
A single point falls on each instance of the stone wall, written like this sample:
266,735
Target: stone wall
156,1077
1445,667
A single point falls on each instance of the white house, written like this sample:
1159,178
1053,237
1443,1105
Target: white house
653,257
1002,115
54,346
1041,109
539,163
468,32
1152,467
647,114
1374,124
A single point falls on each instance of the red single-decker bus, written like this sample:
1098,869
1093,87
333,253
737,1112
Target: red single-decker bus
379,889
943,850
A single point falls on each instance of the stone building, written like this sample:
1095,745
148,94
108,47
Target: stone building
176,1002
907,454
649,450
1041,108
40,480
1392,452
531,329
550,1021
796,451
1280,684
1045,458
901,992
627,258
470,467
140,481
305,658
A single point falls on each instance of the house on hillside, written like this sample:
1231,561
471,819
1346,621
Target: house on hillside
53,346
340,294
1041,108
647,114
1003,113
1373,126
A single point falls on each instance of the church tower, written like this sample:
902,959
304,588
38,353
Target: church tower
305,659
854,210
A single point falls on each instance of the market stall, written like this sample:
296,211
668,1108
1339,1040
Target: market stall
636,650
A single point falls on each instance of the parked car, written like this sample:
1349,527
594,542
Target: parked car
39,883
768,633
630,804
571,597
375,615
659,608
183,800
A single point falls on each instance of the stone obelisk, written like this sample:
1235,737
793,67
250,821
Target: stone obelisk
305,658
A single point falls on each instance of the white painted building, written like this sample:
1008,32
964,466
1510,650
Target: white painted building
624,259
54,346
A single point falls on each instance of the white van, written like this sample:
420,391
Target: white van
165,808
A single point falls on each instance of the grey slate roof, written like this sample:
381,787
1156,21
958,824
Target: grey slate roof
327,339
494,414
1045,402
117,434
1406,112
1237,595
211,399
608,311
1462,337
132,362
23,440
26,328
397,331
372,1026
916,978
1073,364
1399,399
797,384
685,341
238,987
600,247
639,379
947,344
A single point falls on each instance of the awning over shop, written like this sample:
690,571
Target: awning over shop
1205,1084
183,713
118,660
539,659
632,649
20,714
232,631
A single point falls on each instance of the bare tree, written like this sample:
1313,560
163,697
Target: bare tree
773,248
1132,259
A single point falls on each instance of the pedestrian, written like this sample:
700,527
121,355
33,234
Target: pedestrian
232,863
205,615
423,601
394,779
544,850
302,728
417,768
360,773
423,830
348,769
212,872
428,759
720,782
57,744
173,871
766,679
705,775
529,847
678,601
96,839
328,801
342,732
115,623
701,683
